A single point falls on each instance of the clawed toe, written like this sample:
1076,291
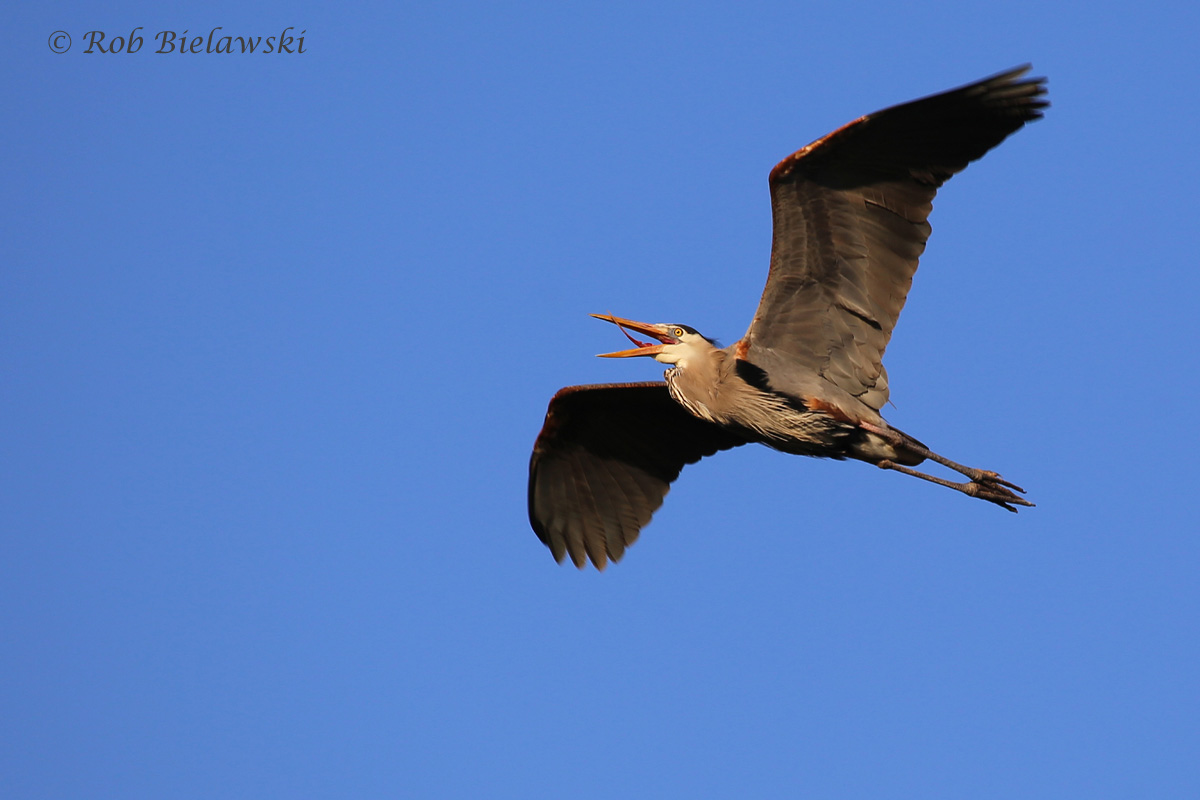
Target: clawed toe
992,488
983,476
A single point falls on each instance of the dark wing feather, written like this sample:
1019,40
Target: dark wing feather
605,460
850,214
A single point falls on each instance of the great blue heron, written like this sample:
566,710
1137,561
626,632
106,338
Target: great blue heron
849,214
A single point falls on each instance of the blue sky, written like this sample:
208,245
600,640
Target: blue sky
277,333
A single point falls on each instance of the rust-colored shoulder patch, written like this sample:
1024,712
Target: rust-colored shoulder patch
783,170
817,404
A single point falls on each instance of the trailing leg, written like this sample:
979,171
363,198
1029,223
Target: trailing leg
983,484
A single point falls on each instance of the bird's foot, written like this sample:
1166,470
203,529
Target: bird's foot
991,487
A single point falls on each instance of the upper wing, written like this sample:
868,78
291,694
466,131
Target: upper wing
849,216
604,461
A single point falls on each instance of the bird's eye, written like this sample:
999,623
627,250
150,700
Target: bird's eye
677,333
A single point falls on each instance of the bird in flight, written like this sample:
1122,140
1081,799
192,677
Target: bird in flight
850,222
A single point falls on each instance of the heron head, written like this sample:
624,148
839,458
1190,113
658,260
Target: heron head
676,342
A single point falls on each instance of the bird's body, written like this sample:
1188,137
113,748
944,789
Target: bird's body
717,386
850,222
769,418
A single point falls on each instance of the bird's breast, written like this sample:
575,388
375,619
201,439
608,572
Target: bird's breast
695,402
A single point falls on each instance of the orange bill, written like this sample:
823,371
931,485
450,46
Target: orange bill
643,348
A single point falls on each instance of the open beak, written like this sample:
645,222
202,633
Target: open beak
643,348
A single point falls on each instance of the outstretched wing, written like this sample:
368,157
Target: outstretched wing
604,461
850,214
